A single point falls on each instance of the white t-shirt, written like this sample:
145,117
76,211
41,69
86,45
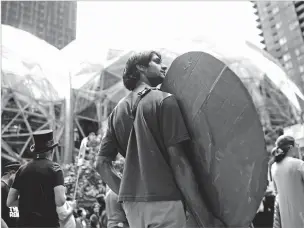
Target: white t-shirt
64,220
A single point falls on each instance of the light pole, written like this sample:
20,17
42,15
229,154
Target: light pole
69,124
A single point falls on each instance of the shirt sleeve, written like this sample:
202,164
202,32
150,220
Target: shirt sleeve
58,175
172,123
108,147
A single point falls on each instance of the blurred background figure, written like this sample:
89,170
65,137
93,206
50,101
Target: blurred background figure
39,185
81,218
7,180
65,214
288,177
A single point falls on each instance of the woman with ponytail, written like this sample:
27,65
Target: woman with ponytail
288,179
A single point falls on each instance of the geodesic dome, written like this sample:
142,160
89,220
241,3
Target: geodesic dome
31,92
277,99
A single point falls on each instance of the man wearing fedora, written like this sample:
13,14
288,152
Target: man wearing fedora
39,185
7,180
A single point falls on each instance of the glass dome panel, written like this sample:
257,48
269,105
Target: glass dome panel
31,66
33,87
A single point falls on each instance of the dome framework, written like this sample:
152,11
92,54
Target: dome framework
32,95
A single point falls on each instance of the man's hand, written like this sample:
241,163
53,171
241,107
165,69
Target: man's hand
107,173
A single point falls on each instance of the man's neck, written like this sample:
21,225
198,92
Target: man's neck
289,154
140,86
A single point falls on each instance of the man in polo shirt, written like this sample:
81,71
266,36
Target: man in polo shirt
147,128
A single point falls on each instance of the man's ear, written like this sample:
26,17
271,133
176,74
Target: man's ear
141,68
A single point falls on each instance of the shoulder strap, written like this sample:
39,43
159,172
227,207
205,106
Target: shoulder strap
140,95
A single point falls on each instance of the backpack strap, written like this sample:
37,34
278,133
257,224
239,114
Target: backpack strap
140,95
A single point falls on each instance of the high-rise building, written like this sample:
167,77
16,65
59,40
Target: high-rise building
52,21
282,30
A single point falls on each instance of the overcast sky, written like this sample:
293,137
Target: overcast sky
145,22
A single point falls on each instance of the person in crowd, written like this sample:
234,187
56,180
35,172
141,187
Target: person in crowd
103,219
147,128
39,185
65,214
280,131
95,216
288,177
81,218
94,221
7,180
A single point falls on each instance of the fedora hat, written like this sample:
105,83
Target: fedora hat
43,141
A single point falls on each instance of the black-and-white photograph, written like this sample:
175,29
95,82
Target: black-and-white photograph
152,114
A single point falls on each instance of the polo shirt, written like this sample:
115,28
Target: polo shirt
158,124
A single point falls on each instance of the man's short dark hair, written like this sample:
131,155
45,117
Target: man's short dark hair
131,74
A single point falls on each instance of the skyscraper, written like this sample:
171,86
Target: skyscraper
52,21
282,30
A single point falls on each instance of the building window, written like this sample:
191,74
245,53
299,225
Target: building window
293,25
275,10
288,65
286,57
283,41
301,69
278,25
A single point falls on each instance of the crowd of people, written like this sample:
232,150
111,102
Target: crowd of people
90,190
85,192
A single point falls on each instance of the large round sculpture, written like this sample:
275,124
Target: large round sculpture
227,150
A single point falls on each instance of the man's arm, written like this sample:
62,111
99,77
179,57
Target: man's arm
60,197
187,184
107,153
175,136
107,172
12,198
58,185
3,224
65,211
